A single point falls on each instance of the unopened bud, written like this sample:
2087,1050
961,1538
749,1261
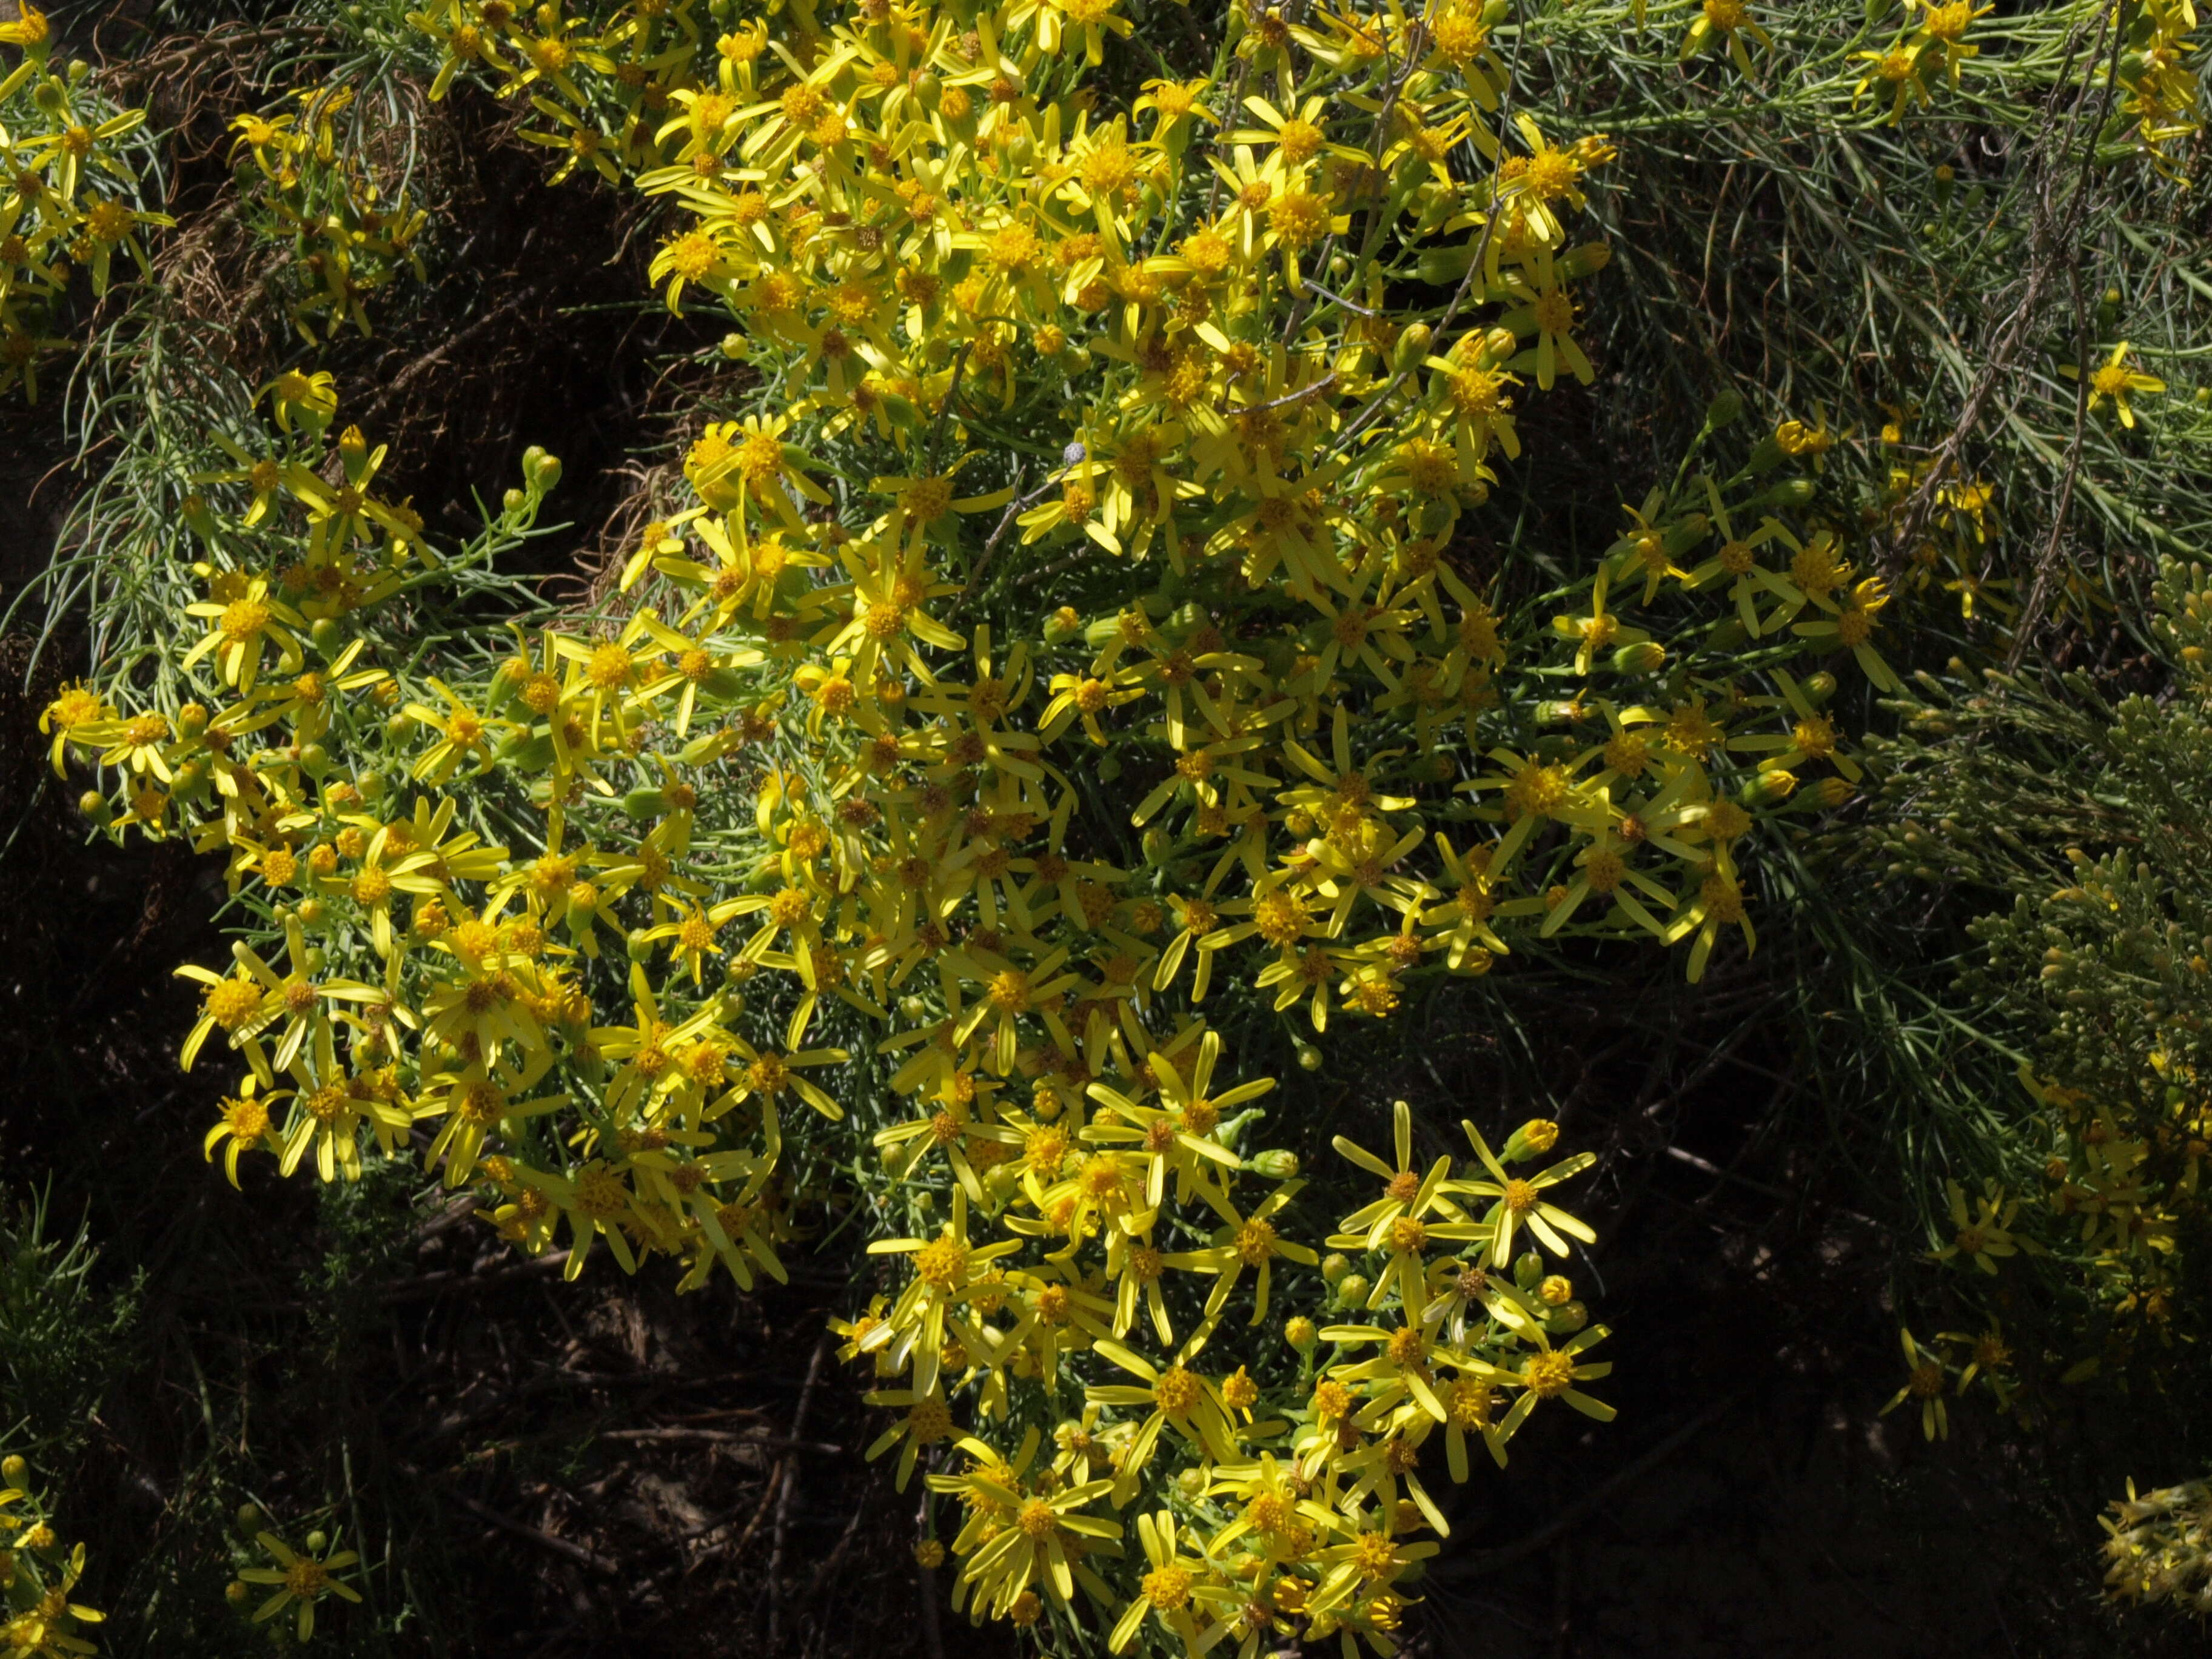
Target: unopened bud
1412,346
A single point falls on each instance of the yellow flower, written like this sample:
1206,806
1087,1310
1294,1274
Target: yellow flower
2116,381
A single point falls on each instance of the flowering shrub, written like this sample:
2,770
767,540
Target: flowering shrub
1060,688
37,1573
68,195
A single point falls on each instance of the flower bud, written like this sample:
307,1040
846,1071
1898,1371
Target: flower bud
1412,346
1528,1270
14,1470
1351,1290
97,807
1767,454
1723,410
1309,1058
1273,1164
1532,1140
1769,788
1333,1268
1648,657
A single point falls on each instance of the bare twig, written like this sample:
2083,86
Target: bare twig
430,358
722,1438
783,1503
434,1283
544,1541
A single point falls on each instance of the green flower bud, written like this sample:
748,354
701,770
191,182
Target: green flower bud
1769,788
1274,1165
1723,410
1351,1290
1765,456
1533,1139
1414,344
1566,1319
1333,1268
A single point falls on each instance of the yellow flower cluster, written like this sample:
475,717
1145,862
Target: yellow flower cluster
37,1574
1933,44
2162,89
320,196
64,194
1298,1505
2158,1546
921,748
